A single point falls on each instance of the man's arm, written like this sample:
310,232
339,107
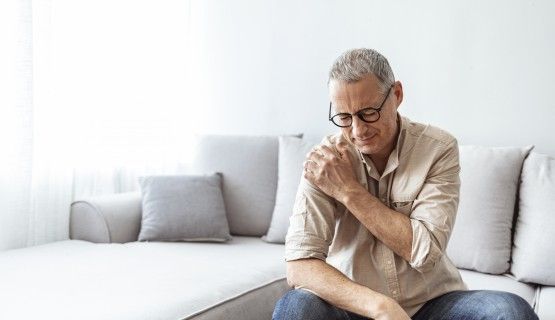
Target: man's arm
391,227
331,285
310,233
334,175
421,238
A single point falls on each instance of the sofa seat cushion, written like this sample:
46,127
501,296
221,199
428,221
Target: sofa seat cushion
545,308
142,280
482,281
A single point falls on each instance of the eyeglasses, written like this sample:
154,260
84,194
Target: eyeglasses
369,115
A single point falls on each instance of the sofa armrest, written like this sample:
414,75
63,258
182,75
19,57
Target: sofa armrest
106,219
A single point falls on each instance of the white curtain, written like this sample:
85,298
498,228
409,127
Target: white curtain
16,130
104,101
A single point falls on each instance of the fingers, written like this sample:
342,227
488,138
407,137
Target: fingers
310,166
316,156
319,153
328,152
309,171
342,145
343,149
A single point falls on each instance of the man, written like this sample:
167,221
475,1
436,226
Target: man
374,213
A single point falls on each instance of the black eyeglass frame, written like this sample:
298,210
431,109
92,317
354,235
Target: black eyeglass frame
360,112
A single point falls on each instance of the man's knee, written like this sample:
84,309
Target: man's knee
505,305
302,304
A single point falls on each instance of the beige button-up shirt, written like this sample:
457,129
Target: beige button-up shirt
421,180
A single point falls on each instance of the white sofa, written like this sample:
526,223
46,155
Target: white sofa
105,273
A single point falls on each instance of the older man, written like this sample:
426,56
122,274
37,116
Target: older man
374,213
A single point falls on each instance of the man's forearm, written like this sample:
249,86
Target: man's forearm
334,287
389,226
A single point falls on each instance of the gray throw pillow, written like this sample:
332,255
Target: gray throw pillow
533,249
481,238
183,208
292,153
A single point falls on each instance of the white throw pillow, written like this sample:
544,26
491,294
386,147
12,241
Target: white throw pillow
183,208
481,238
292,153
534,250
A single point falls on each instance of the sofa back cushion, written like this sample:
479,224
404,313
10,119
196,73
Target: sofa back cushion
249,165
292,154
481,238
534,250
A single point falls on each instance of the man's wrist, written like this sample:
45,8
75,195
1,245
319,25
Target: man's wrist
355,191
378,305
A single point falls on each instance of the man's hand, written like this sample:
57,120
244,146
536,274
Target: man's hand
391,310
331,171
336,288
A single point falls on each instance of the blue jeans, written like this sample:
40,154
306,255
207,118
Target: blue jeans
467,305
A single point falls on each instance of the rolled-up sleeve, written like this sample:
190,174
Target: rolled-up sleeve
434,210
312,224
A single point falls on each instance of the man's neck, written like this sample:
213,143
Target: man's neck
380,165
380,159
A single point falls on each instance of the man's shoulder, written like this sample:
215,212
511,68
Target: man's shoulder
332,139
428,134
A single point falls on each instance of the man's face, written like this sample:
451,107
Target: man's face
376,139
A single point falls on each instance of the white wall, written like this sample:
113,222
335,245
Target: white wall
480,69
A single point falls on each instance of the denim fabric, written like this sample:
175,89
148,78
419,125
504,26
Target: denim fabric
301,304
463,305
476,304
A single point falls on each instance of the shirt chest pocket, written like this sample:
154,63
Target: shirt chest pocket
403,194
404,207
402,202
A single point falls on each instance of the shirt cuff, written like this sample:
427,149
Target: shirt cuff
301,247
424,253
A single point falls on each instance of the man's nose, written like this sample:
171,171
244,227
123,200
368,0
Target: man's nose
358,127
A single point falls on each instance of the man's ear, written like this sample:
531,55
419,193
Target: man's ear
398,92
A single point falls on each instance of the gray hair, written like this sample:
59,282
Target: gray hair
355,64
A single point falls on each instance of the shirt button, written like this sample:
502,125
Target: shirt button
394,291
388,262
